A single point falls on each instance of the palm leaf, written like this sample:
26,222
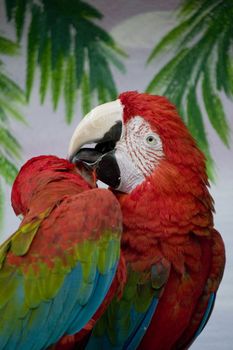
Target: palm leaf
181,34
1,205
195,119
79,52
7,170
100,72
168,40
3,116
57,80
70,88
20,17
11,97
230,72
10,90
102,94
9,143
182,76
160,81
58,32
197,129
86,101
60,39
214,108
10,7
87,10
45,70
12,110
204,33
225,45
112,57
32,47
7,47
190,7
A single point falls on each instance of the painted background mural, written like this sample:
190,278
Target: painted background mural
58,61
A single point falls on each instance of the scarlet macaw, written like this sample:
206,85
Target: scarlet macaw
174,256
57,268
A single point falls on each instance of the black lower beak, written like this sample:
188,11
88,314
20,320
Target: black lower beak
88,156
108,171
105,165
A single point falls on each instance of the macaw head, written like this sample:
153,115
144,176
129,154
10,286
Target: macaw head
136,140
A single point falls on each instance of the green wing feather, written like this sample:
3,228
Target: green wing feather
57,268
124,321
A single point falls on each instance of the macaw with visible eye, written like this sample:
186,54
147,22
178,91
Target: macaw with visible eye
174,256
58,267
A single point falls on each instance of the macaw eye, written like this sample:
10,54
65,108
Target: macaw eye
151,140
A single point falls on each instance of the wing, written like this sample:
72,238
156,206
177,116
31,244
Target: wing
56,270
126,320
181,302
206,302
188,298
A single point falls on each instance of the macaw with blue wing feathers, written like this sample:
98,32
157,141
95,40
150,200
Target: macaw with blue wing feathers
135,266
174,256
57,268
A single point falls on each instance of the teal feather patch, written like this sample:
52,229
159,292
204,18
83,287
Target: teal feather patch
125,321
206,315
55,273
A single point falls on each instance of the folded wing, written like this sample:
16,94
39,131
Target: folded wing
55,271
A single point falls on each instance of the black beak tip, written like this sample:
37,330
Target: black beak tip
108,171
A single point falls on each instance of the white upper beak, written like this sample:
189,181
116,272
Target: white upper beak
95,125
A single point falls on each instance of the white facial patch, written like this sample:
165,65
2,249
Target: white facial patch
138,152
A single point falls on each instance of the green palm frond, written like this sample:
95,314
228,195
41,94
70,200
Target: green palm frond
1,205
7,169
202,56
11,97
73,53
8,47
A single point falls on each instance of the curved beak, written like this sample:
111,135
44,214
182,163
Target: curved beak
102,124
103,127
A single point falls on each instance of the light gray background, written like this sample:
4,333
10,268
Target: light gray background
136,25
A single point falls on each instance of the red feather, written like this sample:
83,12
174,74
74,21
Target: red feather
170,216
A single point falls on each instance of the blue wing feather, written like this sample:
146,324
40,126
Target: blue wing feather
43,299
47,323
206,315
135,338
139,323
